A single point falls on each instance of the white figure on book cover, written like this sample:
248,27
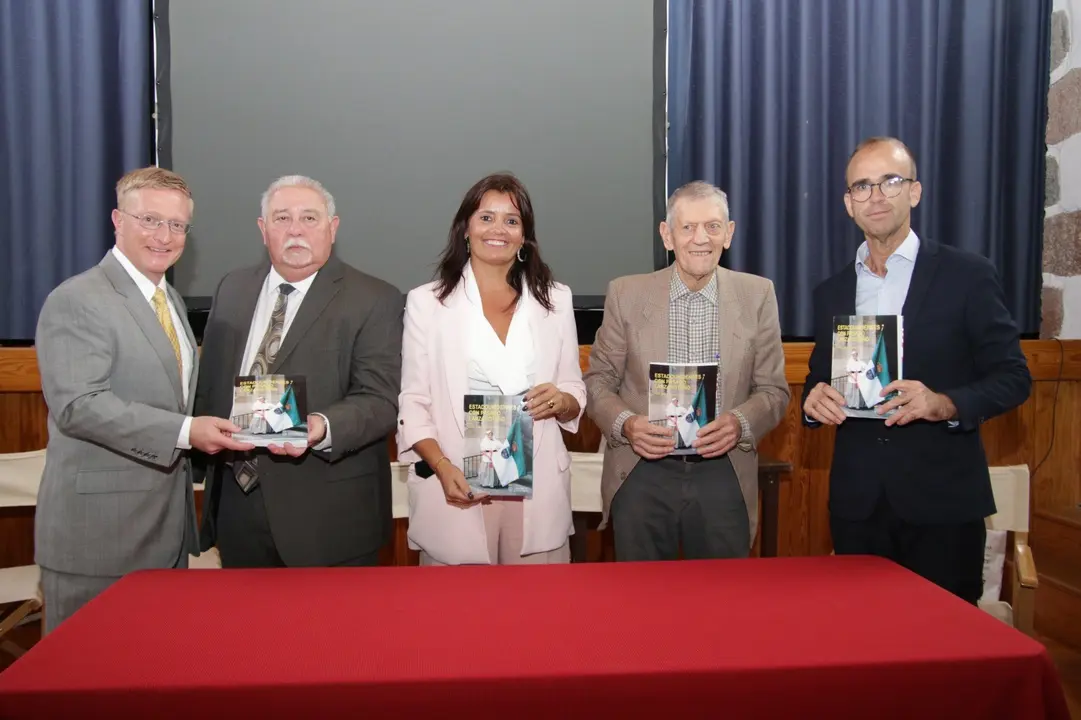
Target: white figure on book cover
854,368
260,421
489,446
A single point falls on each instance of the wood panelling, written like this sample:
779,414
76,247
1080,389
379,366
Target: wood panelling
1044,433
19,370
23,420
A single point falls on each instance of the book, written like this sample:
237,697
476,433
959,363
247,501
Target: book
498,455
867,356
270,410
682,396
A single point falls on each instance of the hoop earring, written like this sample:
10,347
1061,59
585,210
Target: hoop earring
519,254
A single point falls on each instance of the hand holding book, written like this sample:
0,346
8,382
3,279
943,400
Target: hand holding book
915,401
317,430
649,441
455,487
825,404
547,401
717,437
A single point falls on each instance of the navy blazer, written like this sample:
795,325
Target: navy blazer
959,339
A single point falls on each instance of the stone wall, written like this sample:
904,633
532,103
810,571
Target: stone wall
1062,223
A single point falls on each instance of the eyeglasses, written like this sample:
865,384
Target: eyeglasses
890,187
150,222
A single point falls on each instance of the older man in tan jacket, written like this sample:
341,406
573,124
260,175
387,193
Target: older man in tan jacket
692,312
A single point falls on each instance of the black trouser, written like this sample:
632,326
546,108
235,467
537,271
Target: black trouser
244,537
950,556
666,503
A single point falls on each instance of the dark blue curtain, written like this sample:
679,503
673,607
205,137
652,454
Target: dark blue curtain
76,104
767,98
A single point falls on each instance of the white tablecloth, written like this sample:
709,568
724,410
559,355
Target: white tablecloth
20,476
19,489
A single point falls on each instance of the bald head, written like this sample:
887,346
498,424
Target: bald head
900,150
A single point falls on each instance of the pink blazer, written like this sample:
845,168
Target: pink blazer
434,383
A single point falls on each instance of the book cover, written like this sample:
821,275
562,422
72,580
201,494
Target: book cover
682,397
867,356
498,456
270,410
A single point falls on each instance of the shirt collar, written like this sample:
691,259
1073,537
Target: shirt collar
301,287
678,289
907,250
142,282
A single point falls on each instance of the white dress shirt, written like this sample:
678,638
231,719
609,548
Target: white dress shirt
264,308
495,368
187,359
886,295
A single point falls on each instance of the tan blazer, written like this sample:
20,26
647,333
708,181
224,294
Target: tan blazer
634,333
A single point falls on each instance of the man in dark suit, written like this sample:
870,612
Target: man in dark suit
304,313
915,487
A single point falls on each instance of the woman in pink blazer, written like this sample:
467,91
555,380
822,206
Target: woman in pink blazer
493,322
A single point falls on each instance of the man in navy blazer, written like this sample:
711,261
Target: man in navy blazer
915,487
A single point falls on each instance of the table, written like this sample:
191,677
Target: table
767,638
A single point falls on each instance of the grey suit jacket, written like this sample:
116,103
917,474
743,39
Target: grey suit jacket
325,507
634,333
116,494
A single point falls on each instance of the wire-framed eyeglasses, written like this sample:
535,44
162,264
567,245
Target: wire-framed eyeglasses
149,222
890,187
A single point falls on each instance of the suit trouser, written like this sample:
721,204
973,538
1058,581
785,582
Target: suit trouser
667,504
65,593
949,555
244,539
503,529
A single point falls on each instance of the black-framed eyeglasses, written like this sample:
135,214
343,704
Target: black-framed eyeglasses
890,187
149,222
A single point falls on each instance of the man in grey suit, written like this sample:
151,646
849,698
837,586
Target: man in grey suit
117,364
304,313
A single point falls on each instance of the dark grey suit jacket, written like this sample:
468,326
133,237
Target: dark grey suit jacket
325,507
116,494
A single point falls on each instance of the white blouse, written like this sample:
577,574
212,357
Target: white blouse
495,368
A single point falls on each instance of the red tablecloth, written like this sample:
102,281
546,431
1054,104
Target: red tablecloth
790,637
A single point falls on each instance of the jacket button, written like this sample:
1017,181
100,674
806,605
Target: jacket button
401,422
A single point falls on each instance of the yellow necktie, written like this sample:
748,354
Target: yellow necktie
165,318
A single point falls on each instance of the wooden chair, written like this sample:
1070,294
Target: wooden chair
20,477
1011,488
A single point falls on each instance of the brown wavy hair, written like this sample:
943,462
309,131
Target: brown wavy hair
532,271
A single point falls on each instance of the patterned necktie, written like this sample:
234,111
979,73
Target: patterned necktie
272,339
161,308
245,472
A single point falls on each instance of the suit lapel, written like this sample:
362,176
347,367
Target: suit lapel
453,331
729,332
326,285
543,326
653,331
248,291
922,274
146,320
844,302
